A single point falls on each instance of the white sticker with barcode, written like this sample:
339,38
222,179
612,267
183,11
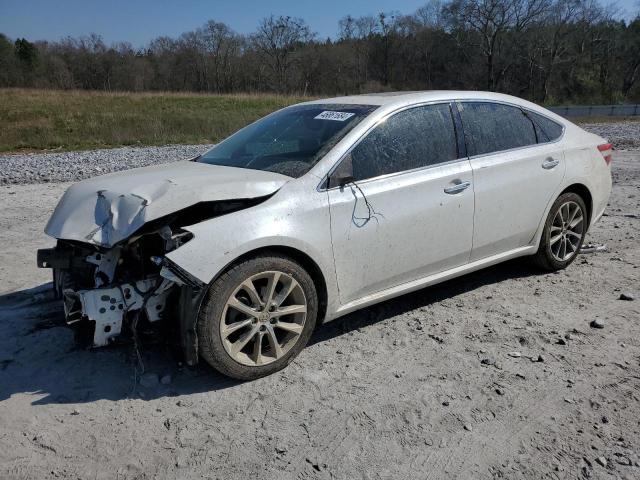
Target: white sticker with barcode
337,116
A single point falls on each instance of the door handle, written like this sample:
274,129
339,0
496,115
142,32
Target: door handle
457,188
549,163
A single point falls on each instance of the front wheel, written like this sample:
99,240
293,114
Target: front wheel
563,233
257,317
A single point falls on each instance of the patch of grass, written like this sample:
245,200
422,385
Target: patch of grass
76,120
32,120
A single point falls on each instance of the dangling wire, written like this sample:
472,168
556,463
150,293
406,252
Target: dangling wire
371,211
136,346
134,324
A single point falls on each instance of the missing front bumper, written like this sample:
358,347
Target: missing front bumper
102,306
107,308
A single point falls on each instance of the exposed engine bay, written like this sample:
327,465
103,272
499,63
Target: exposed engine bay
110,265
108,292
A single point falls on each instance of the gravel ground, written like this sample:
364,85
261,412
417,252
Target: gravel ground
497,374
73,166
623,135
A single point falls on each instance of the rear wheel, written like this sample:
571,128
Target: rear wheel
257,317
563,233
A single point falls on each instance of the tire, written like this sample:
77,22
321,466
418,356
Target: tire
548,256
231,305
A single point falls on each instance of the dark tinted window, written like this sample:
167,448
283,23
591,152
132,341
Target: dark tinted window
492,127
289,141
547,129
410,139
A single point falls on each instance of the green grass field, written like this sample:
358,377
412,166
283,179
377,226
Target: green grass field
75,120
35,120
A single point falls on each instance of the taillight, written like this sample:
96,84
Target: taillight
606,150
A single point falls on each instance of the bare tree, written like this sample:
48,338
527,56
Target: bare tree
490,20
630,57
430,15
221,45
347,28
276,41
548,50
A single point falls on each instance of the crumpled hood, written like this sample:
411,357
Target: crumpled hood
108,209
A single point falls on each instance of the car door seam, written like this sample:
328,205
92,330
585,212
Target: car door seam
333,250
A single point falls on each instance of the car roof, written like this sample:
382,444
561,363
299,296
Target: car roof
392,100
405,98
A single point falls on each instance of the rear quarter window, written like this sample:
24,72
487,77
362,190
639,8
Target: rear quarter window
494,127
546,129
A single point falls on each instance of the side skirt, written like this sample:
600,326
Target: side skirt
430,280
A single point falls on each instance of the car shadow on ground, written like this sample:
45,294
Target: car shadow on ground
512,269
39,358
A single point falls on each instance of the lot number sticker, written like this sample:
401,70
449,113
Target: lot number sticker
337,116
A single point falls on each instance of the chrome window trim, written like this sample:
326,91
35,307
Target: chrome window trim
403,172
322,186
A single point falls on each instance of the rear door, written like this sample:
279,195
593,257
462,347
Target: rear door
409,211
516,170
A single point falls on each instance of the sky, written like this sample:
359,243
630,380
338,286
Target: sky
139,21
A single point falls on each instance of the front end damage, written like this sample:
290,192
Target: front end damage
110,293
113,234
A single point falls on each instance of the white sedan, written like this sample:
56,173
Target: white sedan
317,210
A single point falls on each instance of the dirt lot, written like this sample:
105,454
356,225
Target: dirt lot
420,387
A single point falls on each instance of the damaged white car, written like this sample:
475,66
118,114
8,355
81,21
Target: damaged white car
318,210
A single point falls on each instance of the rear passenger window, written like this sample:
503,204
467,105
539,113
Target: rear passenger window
546,129
493,127
413,138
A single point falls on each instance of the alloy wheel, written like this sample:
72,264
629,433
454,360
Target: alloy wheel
566,231
263,318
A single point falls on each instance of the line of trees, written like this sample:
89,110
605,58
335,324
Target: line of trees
546,50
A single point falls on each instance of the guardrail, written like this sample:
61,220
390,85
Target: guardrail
597,110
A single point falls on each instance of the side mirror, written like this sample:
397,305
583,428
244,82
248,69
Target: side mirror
342,181
343,174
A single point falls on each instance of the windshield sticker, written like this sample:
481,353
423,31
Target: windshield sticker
337,116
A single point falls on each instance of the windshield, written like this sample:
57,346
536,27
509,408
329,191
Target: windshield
289,141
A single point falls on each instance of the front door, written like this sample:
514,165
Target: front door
408,212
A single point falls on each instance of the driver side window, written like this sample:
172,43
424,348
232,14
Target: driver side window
413,138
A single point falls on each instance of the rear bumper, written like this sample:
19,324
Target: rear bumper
600,195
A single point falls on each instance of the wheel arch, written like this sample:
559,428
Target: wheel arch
308,263
584,192
576,187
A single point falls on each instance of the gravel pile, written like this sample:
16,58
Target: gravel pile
74,166
623,135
